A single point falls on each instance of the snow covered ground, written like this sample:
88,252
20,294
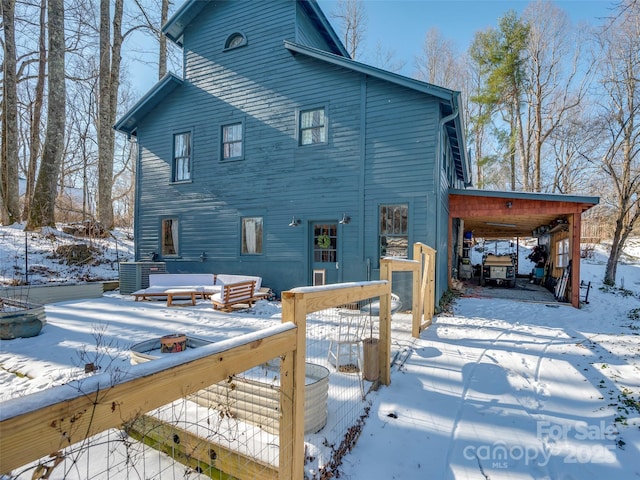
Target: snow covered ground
493,389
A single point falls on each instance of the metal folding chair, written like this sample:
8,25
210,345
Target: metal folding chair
345,347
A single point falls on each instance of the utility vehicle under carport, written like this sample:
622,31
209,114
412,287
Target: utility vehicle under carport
555,220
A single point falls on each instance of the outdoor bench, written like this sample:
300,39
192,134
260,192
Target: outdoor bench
194,285
177,285
234,293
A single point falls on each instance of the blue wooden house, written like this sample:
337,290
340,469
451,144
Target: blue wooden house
277,155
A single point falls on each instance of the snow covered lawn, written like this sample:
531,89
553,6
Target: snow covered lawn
514,390
493,389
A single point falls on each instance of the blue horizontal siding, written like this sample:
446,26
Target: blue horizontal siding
380,149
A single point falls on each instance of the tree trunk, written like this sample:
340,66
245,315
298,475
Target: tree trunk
614,256
621,43
42,212
36,113
108,91
519,140
162,57
479,151
10,193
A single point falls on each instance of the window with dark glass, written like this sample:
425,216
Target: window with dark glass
232,141
313,127
252,235
169,236
181,156
394,232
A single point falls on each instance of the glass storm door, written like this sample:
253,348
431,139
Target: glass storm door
324,253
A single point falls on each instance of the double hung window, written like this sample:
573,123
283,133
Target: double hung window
251,236
232,144
182,157
313,126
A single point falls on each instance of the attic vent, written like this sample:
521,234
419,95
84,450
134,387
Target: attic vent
235,40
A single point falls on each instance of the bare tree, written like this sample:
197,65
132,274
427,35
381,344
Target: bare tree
162,54
438,61
553,56
619,122
10,211
353,19
110,59
36,112
570,172
42,212
386,59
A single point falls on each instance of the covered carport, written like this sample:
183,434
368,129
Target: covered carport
500,215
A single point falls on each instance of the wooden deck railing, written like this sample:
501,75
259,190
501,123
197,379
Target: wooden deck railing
51,420
423,268
47,422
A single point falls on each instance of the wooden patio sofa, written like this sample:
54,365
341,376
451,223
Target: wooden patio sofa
234,293
192,286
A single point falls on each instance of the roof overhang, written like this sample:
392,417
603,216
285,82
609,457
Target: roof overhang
436,91
175,26
128,123
179,21
494,214
314,11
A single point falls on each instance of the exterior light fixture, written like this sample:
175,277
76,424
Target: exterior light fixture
509,204
295,221
345,219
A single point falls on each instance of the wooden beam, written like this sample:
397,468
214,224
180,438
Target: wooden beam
340,294
213,459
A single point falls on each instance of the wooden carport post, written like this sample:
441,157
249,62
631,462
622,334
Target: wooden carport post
575,230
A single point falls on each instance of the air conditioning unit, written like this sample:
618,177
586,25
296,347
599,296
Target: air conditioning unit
135,275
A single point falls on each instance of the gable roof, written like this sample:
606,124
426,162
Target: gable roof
176,25
128,123
450,99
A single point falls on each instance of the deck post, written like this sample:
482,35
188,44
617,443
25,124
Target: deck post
292,375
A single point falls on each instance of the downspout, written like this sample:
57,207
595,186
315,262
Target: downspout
441,124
